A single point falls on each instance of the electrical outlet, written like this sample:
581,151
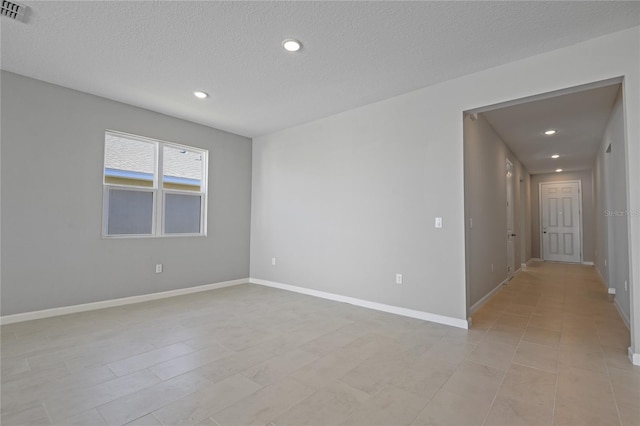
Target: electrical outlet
398,278
438,222
158,268
273,261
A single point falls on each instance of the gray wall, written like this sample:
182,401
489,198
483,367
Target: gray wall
52,159
585,177
347,202
485,154
610,195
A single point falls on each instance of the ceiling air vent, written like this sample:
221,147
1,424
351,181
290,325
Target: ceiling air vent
13,10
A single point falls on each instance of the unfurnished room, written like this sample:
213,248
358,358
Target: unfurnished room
320,213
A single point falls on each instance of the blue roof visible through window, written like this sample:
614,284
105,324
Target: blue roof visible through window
127,174
180,180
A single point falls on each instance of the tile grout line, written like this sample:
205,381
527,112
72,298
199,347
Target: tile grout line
613,393
44,407
441,386
504,376
272,421
158,420
555,388
532,367
104,420
147,388
28,364
484,420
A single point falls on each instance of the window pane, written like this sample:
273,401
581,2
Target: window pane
182,213
130,212
182,169
128,161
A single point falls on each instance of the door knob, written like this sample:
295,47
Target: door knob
513,235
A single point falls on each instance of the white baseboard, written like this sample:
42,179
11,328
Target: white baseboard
535,259
588,263
64,310
635,358
486,298
626,320
602,280
426,316
612,291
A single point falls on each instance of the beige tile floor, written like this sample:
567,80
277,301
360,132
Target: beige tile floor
549,348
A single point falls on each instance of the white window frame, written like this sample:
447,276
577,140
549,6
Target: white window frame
157,225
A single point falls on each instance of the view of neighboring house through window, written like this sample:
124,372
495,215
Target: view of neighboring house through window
153,188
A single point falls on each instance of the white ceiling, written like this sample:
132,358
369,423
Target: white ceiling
154,54
579,118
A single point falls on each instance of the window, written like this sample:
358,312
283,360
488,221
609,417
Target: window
153,188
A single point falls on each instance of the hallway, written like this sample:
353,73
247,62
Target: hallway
565,347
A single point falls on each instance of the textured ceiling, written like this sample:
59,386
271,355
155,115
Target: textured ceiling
154,54
579,118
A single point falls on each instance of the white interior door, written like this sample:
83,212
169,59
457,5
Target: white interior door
510,227
560,216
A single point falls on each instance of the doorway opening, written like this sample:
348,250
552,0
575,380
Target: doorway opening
564,186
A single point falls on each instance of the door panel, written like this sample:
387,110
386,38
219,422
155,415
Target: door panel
567,208
553,243
553,212
561,239
568,244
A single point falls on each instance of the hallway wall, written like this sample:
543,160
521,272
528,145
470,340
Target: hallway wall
585,177
611,227
526,251
485,203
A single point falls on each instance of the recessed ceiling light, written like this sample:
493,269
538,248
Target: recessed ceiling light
555,156
291,45
558,170
200,95
550,132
